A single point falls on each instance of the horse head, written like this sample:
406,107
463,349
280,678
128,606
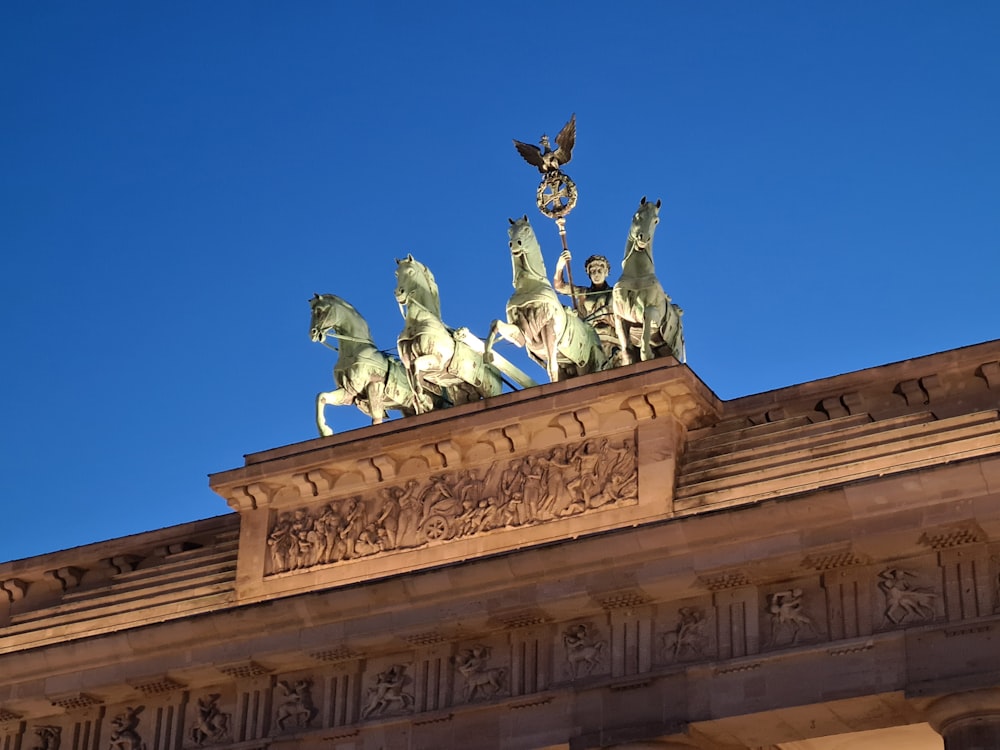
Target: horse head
415,283
644,222
331,313
525,252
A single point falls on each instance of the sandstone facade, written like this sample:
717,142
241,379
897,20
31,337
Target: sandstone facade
620,560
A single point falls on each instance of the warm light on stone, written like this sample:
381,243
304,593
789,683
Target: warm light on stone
618,560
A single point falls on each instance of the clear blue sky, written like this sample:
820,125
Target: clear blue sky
177,179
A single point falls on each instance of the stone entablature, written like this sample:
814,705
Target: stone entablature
556,461
792,610
82,592
889,419
602,621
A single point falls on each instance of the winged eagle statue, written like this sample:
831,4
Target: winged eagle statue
545,158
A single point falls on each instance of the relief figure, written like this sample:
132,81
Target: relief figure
584,651
297,705
279,542
50,736
513,484
903,600
388,518
480,680
387,693
688,636
211,725
534,474
410,512
354,522
786,612
123,730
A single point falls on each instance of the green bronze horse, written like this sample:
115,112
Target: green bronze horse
429,350
365,376
553,335
648,324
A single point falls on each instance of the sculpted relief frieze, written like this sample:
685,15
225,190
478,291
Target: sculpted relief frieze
568,480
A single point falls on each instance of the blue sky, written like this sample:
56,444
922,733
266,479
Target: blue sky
179,178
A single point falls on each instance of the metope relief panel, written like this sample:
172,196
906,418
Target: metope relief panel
584,649
210,720
482,676
569,480
49,737
389,692
907,595
295,707
126,733
689,634
792,614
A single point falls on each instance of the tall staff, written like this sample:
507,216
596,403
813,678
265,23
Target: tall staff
556,195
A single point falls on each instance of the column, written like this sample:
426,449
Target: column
968,721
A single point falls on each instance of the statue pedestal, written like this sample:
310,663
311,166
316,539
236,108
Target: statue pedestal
529,468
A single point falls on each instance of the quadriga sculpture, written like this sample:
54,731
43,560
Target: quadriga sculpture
429,350
365,376
647,322
558,340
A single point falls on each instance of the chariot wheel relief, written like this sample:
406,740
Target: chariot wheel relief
436,527
556,195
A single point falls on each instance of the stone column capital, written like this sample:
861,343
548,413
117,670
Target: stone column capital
957,707
967,721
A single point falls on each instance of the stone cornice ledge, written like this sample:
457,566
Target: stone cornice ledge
553,462
475,433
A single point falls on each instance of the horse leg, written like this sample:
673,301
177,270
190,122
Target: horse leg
421,366
619,309
510,332
416,385
490,338
651,319
551,352
376,402
339,397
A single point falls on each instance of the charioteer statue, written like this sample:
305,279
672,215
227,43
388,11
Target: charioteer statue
593,302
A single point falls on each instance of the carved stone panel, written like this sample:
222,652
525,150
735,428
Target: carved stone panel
125,730
49,737
389,692
585,650
566,481
906,598
210,723
789,618
294,705
688,637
